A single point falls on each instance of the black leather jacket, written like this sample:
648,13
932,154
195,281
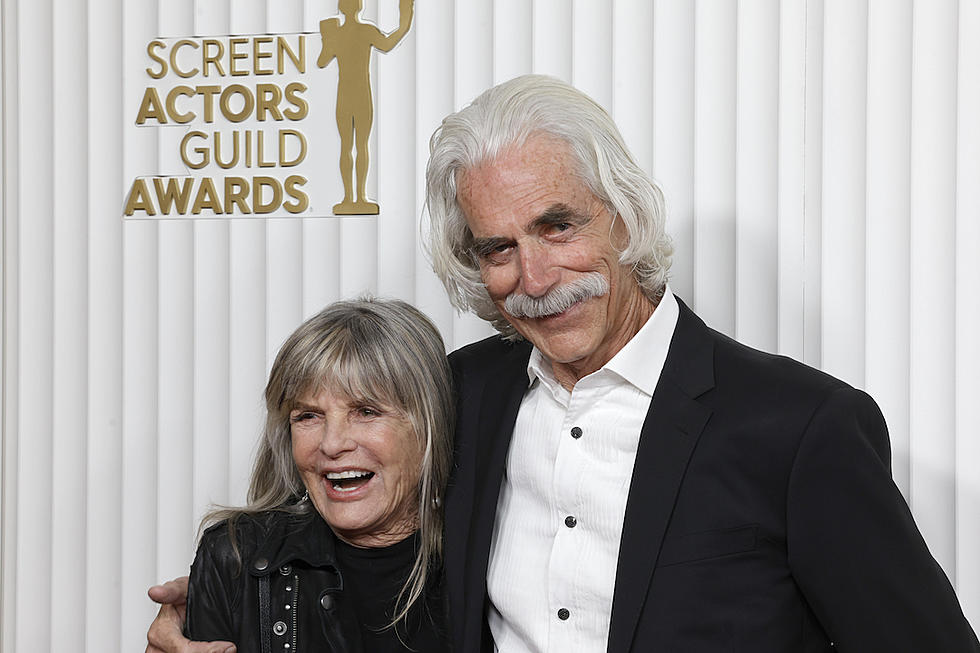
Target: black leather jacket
284,594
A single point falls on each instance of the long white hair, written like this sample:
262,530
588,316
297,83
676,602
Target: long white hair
506,116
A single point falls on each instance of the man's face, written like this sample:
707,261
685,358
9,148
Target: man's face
536,227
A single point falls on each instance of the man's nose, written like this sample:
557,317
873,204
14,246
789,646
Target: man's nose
336,439
538,273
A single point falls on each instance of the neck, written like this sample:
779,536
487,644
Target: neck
636,315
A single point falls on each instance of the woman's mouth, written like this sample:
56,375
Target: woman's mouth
349,480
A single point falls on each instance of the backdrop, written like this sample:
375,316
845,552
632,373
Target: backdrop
821,160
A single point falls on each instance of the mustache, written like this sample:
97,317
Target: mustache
559,299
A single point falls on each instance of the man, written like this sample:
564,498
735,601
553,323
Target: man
628,479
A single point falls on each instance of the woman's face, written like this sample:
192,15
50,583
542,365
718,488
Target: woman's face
360,463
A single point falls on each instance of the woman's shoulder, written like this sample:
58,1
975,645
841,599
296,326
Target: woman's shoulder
236,537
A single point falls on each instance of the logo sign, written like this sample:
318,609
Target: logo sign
243,123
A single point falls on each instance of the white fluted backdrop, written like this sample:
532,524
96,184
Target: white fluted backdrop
821,160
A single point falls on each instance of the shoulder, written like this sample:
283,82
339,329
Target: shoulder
490,351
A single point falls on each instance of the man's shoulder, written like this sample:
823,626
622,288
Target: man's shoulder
488,350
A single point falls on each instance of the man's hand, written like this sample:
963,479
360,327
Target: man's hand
165,635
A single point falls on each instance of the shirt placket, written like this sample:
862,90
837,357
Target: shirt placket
565,606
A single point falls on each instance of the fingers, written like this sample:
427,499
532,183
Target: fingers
173,591
210,647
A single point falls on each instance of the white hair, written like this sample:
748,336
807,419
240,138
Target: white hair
505,116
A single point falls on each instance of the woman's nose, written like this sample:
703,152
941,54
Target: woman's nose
336,439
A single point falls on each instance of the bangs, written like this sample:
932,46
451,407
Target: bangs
342,365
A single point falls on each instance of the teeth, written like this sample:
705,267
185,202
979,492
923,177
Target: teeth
339,476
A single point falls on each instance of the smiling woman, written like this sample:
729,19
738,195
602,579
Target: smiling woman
339,546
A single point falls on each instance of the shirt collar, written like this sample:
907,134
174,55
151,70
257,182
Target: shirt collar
639,362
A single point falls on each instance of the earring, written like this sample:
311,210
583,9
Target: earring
306,497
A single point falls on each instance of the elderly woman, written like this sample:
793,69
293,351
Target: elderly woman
339,546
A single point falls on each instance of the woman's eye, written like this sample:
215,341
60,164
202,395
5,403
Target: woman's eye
367,411
302,417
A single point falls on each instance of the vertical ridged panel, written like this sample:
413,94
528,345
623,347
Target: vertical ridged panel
714,162
552,38
933,276
36,331
819,160
791,194
672,121
967,517
843,221
104,383
140,369
435,96
69,395
756,173
888,302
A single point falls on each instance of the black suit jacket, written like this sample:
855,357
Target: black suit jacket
761,514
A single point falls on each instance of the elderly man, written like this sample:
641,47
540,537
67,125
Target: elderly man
628,479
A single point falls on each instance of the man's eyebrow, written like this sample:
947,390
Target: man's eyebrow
556,214
483,247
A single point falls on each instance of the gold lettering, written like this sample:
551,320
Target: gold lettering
175,115
151,49
234,151
292,96
283,133
213,59
248,148
236,194
292,189
202,151
207,197
246,110
299,61
235,55
260,147
173,58
139,199
258,183
173,192
258,55
208,93
151,107
267,99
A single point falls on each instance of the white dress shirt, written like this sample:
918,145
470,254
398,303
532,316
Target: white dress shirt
563,498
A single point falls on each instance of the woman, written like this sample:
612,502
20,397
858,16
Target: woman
339,546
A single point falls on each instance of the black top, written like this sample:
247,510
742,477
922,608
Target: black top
374,577
285,586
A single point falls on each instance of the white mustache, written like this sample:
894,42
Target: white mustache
560,299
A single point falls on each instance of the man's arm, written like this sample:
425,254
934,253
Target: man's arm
165,634
405,10
853,546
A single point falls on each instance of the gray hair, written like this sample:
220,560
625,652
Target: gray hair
373,350
505,116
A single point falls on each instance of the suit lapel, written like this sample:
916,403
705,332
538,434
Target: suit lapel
500,401
670,433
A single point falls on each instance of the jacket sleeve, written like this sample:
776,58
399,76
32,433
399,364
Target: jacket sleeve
212,602
853,546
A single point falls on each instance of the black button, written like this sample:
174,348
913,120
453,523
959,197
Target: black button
563,614
570,521
576,432
326,602
285,569
261,564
